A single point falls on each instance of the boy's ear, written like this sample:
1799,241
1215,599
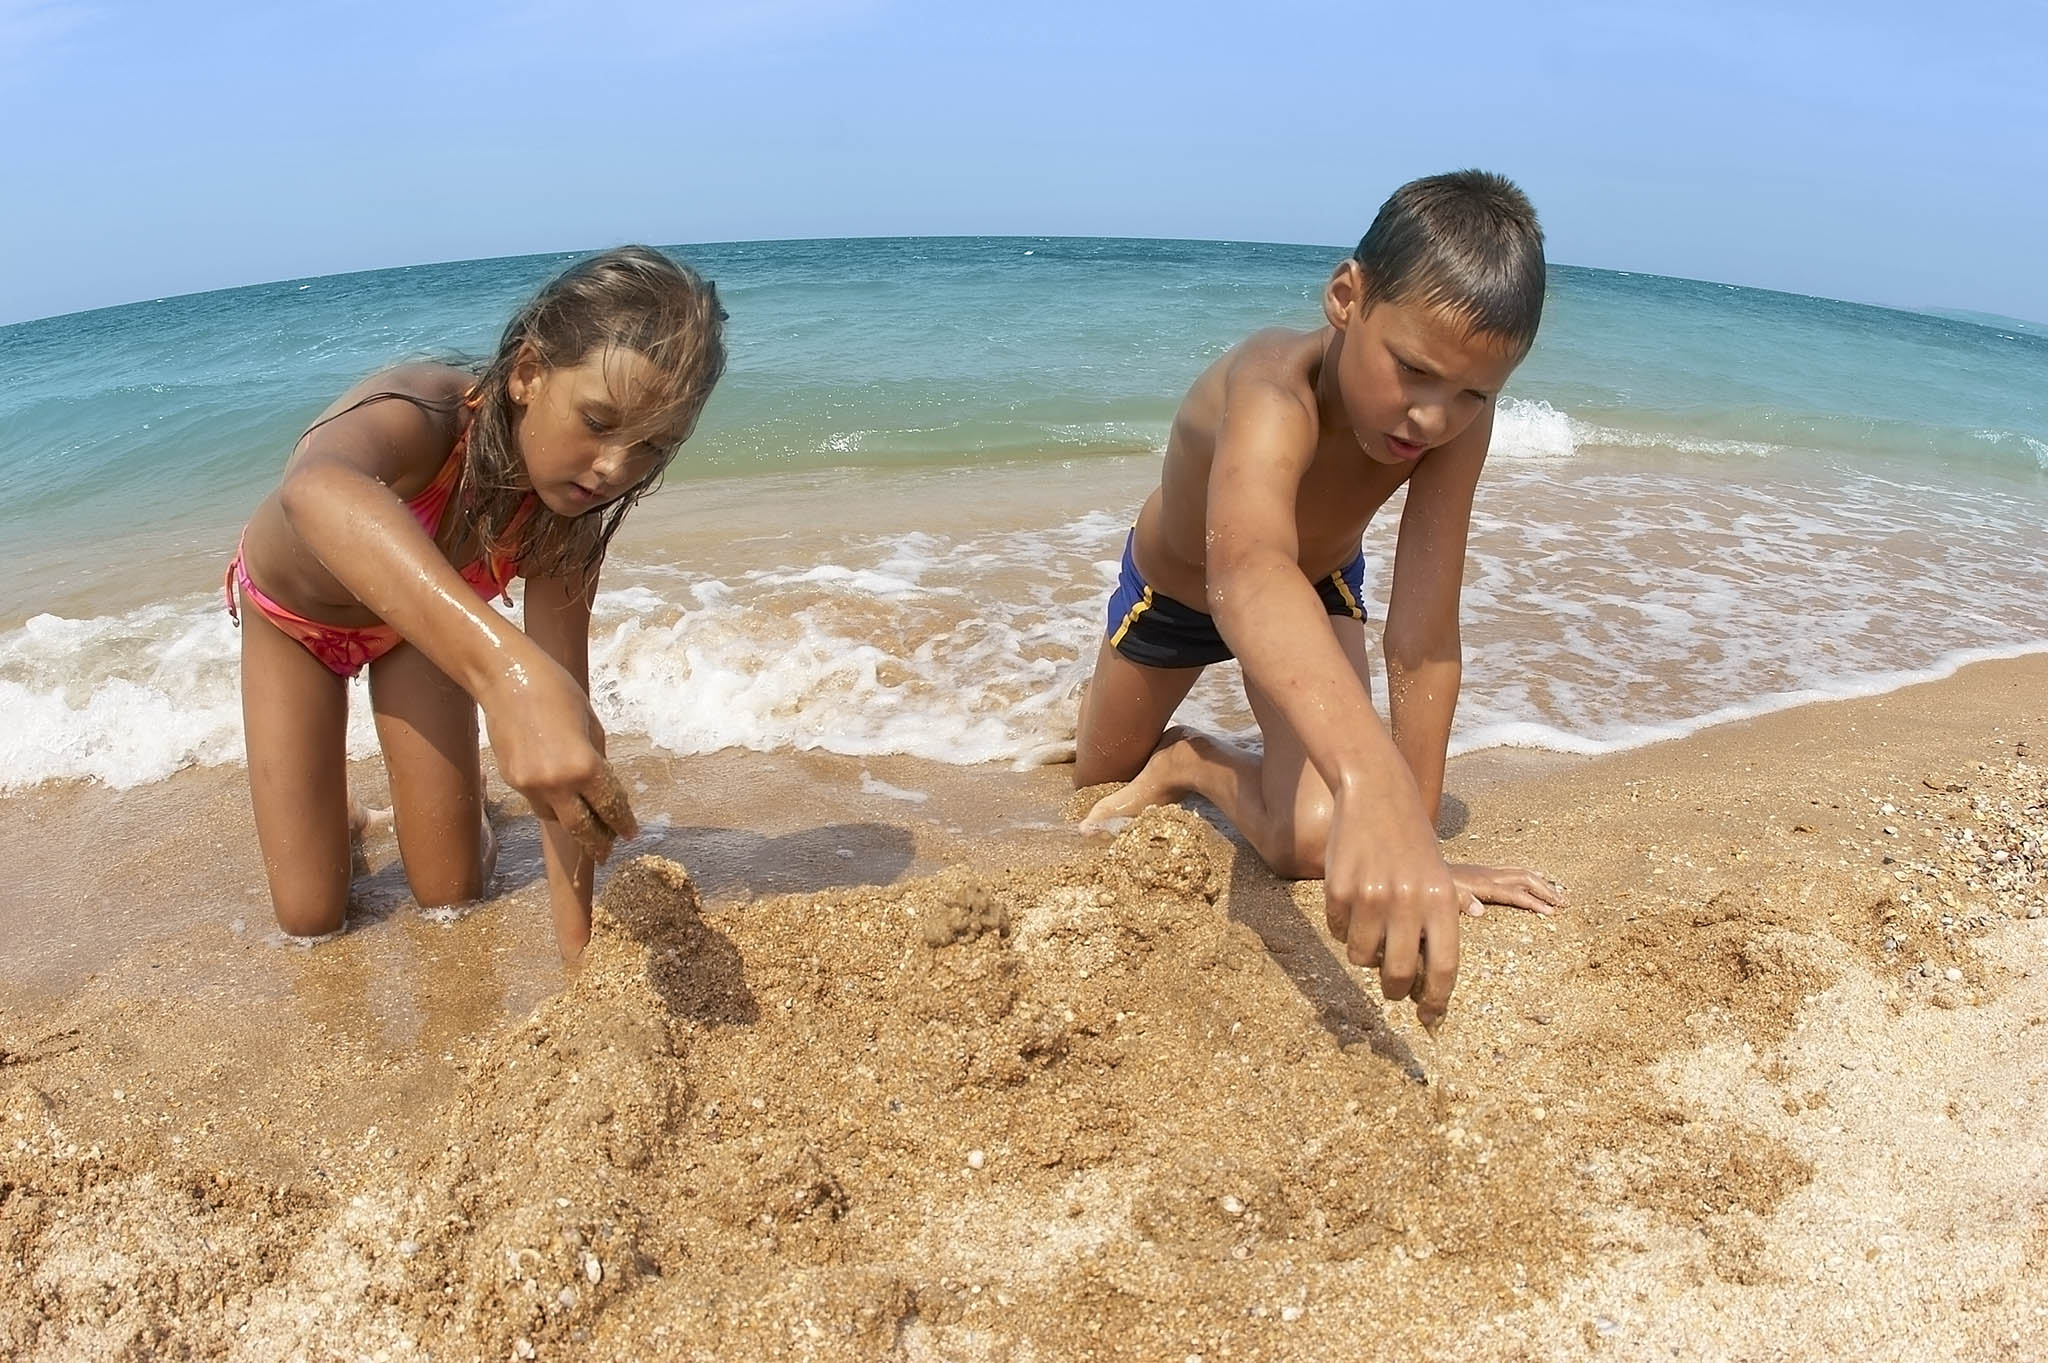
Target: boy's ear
1344,295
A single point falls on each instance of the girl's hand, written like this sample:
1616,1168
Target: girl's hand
1479,886
540,727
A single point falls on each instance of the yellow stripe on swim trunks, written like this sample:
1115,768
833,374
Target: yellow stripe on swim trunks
1344,590
1138,608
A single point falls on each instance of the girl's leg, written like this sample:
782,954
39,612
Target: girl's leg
427,726
1277,799
295,722
1123,714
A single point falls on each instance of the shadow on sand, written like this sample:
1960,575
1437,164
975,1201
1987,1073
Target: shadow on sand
1335,989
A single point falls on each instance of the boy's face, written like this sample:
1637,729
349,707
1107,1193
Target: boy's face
1411,377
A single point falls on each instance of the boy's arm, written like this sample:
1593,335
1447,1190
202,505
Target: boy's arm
337,498
1423,650
1388,895
1424,653
558,619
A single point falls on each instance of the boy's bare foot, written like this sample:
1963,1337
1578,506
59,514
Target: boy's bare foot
1159,782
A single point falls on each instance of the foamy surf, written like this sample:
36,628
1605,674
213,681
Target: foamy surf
1544,737
1603,610
1533,429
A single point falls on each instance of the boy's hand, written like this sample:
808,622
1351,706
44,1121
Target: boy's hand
1394,904
1515,886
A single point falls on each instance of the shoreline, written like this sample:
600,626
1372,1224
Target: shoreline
215,794
1760,1090
1217,700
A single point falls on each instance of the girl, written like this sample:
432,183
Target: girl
415,499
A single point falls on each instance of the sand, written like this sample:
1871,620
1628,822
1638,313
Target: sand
847,1075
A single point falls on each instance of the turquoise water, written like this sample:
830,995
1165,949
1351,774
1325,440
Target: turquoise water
959,349
1829,434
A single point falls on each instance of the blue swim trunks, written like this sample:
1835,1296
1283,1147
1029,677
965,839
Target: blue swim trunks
1158,631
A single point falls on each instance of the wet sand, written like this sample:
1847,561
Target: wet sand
849,1074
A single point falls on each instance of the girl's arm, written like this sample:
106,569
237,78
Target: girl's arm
338,500
558,620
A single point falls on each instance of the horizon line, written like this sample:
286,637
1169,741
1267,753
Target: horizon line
1943,312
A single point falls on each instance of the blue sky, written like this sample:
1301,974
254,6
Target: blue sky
1876,151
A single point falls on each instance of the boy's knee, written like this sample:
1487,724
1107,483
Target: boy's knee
1298,861
1093,767
1298,854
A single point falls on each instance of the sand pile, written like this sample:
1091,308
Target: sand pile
1069,1108
1127,1107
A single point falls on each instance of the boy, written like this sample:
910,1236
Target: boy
1279,456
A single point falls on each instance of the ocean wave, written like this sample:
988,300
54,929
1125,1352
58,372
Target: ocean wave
2001,439
1531,428
890,655
1548,738
127,699
1600,614
1534,429
697,682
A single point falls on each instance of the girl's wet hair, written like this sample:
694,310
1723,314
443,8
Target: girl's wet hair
632,298
1467,242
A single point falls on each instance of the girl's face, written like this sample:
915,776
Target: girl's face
580,429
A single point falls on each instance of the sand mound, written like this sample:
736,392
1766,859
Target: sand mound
970,1112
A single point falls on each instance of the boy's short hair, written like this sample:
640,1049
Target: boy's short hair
1467,242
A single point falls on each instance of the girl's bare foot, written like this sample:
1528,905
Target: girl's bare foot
489,846
361,819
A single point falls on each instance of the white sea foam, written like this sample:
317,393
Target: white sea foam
1588,437
1526,428
890,651
2004,439
1526,734
125,699
873,785
1530,428
1602,610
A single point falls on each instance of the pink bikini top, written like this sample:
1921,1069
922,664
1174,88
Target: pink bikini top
490,574
347,649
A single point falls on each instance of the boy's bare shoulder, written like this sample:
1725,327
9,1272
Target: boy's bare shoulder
1270,378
